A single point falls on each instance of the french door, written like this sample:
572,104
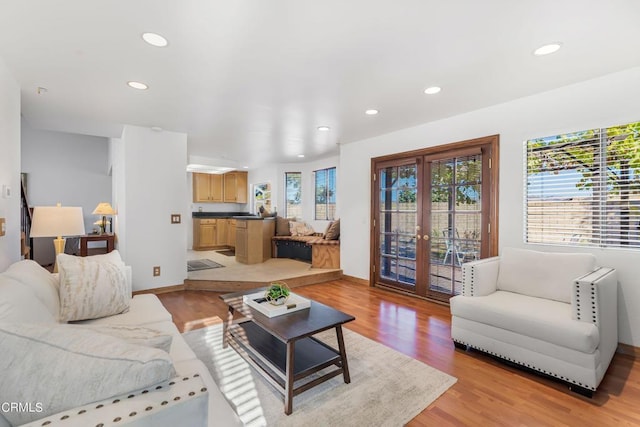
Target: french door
433,210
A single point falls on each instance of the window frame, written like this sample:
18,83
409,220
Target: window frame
328,198
582,189
286,195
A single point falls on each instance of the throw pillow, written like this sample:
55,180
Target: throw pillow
43,284
61,367
18,304
282,226
92,287
301,229
113,257
333,231
326,230
134,335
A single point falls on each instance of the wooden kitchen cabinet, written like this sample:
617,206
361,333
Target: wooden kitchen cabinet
221,231
242,242
209,233
231,233
235,187
207,188
253,239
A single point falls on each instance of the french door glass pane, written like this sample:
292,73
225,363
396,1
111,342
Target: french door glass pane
456,203
398,220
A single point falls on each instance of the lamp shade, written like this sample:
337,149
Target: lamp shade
57,221
104,208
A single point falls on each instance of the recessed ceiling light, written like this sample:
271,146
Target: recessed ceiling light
432,90
155,39
324,128
138,85
547,49
371,112
301,155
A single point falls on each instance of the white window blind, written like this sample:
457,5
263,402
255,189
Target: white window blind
583,188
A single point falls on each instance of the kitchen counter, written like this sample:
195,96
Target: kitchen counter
253,239
252,218
222,215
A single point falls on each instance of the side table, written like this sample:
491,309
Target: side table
110,239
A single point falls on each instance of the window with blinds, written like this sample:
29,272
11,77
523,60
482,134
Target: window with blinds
583,188
325,189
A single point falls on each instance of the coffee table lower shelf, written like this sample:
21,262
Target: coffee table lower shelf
286,369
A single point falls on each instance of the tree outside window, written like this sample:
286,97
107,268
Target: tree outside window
583,188
325,189
293,194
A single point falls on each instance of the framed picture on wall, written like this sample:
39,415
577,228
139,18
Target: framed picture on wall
262,196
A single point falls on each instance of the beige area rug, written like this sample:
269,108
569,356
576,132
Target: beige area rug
387,388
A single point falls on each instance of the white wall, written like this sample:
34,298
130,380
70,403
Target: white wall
9,165
66,168
149,176
606,101
118,192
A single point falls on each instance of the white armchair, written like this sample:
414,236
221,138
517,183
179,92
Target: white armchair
555,313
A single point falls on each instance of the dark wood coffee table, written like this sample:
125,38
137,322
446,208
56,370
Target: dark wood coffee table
283,349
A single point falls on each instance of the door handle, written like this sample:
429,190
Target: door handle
426,237
418,236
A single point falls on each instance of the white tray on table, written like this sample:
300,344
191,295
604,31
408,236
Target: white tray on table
293,304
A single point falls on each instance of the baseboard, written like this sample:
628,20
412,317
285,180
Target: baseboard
356,280
163,290
235,286
628,350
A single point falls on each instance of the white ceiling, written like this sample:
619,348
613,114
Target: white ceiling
251,80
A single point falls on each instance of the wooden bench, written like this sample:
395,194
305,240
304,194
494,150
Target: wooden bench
322,253
325,253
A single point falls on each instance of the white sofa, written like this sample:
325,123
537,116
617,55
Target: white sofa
555,313
191,398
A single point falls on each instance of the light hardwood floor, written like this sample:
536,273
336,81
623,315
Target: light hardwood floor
488,392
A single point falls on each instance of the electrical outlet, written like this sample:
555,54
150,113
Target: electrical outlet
156,271
176,219
3,227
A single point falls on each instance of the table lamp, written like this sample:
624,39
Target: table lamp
104,209
57,221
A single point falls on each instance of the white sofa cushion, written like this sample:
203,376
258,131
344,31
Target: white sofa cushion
180,350
144,309
139,335
43,284
542,274
63,366
18,303
539,318
180,401
92,287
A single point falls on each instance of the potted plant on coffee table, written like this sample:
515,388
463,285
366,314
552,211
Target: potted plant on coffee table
277,293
